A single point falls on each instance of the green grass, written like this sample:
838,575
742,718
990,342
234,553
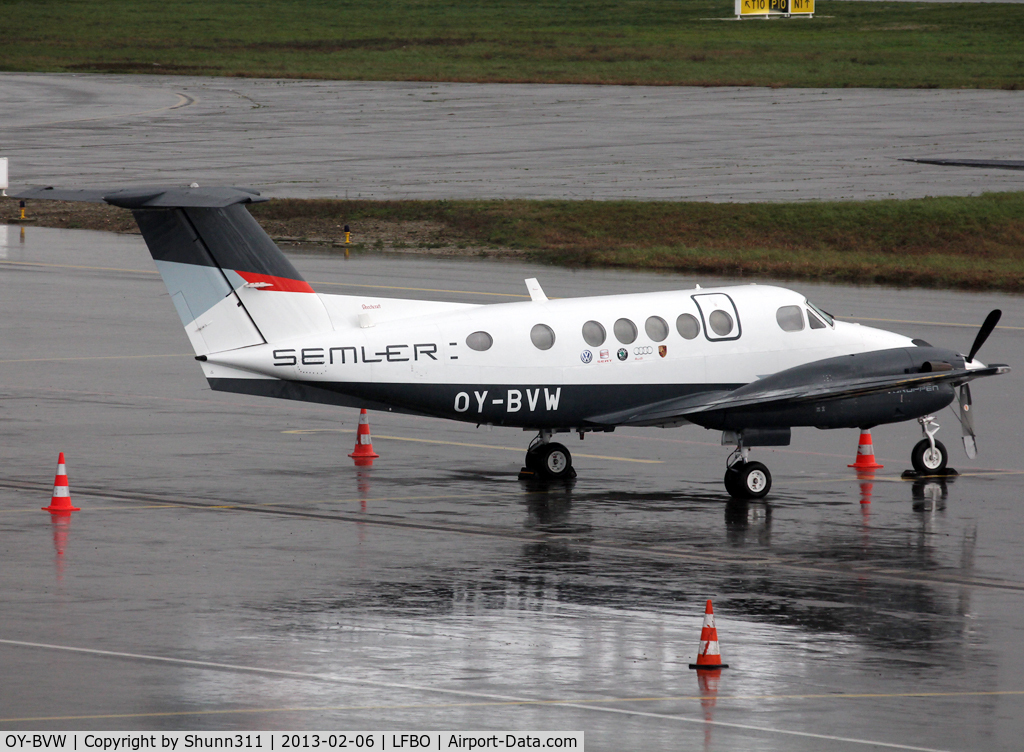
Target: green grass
600,41
968,243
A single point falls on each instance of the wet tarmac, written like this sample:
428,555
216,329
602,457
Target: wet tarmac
398,140
231,568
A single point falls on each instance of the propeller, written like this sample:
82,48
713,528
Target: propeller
966,404
986,329
967,421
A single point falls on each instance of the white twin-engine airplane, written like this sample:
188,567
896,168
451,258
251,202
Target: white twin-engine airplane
751,361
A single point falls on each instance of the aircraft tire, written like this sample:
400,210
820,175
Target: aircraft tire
926,461
748,480
732,482
553,461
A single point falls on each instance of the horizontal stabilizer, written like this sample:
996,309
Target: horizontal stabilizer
150,198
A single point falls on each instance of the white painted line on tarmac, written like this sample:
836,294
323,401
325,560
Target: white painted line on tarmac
465,444
501,699
925,323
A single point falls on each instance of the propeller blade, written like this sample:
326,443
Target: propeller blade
967,421
986,329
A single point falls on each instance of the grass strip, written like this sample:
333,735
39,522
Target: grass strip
971,243
666,42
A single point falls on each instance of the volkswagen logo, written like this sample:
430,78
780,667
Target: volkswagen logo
586,356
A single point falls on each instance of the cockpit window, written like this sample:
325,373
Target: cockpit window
790,318
826,316
816,323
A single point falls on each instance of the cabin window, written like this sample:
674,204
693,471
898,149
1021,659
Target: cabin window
625,331
479,341
816,323
594,334
542,336
656,328
790,318
687,326
721,323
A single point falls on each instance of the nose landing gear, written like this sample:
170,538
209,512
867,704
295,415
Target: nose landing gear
929,456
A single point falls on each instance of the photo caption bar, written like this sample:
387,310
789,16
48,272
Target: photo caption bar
278,741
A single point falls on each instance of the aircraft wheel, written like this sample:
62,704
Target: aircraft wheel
552,461
928,461
749,480
732,482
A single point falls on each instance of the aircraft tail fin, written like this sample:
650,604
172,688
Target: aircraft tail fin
231,285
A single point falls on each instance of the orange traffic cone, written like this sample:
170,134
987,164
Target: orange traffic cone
60,502
708,655
364,444
865,453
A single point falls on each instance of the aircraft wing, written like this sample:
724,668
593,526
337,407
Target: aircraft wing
999,164
757,394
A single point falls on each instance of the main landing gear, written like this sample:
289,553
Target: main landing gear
929,456
548,459
745,479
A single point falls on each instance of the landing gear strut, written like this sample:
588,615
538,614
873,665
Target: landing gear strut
549,459
929,456
745,479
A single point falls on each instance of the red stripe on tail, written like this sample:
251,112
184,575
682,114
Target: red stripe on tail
277,284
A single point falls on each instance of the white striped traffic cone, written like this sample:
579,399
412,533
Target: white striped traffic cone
865,453
60,502
364,443
708,654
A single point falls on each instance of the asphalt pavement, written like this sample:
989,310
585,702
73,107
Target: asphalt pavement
231,567
399,140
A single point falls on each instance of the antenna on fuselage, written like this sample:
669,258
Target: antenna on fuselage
536,292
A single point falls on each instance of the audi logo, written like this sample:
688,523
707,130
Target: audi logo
643,350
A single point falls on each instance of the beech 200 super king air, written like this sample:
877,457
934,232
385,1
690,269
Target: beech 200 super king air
751,361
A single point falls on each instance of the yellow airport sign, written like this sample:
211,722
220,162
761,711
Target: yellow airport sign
774,8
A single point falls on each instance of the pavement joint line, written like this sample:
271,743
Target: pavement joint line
299,406
96,357
695,555
465,444
77,266
504,699
442,705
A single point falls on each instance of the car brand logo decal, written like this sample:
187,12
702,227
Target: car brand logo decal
586,356
605,355
663,350
643,350
622,353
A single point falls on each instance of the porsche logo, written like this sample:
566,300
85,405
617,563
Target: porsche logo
663,350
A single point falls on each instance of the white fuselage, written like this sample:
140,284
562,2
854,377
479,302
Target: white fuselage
405,344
